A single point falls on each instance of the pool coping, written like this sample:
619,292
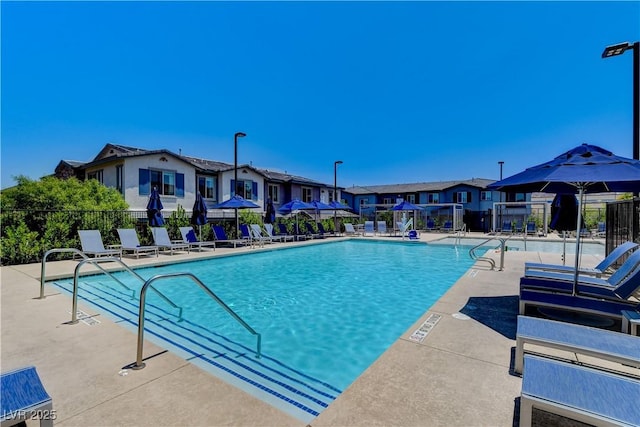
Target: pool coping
457,375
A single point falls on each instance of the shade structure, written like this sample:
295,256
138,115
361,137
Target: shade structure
584,169
236,202
406,206
154,209
269,213
199,215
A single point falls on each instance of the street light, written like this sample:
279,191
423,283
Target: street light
501,163
335,193
619,49
235,172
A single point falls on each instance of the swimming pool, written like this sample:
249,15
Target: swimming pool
556,247
325,312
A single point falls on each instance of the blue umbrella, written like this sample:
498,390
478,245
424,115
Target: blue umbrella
294,205
154,208
236,202
337,205
583,169
199,215
406,206
320,206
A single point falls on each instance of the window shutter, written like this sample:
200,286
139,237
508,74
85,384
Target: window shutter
179,184
233,187
144,182
468,196
254,190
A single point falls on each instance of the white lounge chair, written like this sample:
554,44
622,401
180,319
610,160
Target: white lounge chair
349,230
163,242
382,227
279,237
91,242
369,228
129,243
189,237
258,235
22,396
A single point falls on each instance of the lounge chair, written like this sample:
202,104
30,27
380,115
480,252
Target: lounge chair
600,231
311,232
507,228
532,228
246,234
189,237
519,227
258,235
284,232
447,227
369,228
621,284
614,346
382,228
129,243
162,240
221,237
349,230
22,396
91,242
276,237
431,225
323,232
600,269
605,307
578,392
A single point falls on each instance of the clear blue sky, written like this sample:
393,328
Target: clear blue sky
401,92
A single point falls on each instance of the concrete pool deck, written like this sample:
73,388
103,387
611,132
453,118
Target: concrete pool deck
458,375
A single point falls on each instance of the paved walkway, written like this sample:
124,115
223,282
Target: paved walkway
458,375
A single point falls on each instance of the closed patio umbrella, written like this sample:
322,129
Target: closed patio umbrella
154,209
199,214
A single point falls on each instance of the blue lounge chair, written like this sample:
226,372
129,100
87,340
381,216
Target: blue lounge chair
163,242
532,228
605,307
519,227
129,243
189,237
578,392
600,231
276,237
447,227
601,343
91,243
507,228
311,232
322,231
620,285
431,225
221,237
611,259
23,396
369,228
245,234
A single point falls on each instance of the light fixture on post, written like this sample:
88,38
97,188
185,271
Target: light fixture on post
235,173
335,193
619,49
501,163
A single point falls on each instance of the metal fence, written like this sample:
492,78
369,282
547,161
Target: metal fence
623,223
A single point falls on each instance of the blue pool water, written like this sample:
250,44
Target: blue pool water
325,312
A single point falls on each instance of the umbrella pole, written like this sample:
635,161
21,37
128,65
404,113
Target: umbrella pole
579,227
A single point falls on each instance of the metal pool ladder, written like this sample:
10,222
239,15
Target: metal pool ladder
143,292
475,256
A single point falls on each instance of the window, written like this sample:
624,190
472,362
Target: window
273,193
411,198
516,197
245,189
306,194
207,187
387,201
485,195
433,198
97,175
331,197
463,197
119,179
168,183
363,202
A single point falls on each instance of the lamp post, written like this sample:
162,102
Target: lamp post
335,193
619,49
235,172
501,163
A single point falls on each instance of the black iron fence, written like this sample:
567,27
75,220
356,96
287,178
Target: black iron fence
623,223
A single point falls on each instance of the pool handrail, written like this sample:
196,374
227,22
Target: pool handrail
143,293
473,255
96,261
